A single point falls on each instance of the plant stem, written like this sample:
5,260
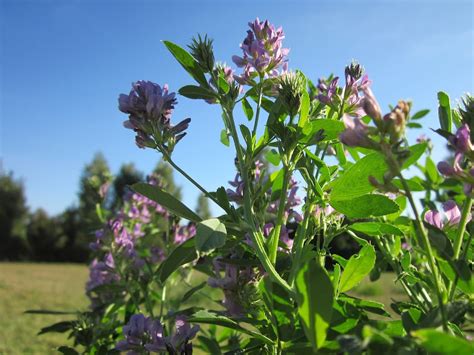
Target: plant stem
190,179
421,231
299,244
259,104
162,303
255,232
466,211
275,235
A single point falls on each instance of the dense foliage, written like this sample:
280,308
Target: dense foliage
262,277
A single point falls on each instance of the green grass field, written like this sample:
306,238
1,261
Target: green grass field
26,286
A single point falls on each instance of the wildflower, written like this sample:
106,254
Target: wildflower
149,107
263,54
461,142
145,333
183,233
395,121
356,133
232,284
452,216
328,91
369,102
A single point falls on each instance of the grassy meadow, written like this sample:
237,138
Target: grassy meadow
26,286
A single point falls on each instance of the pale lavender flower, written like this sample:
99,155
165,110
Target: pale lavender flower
149,107
451,217
263,53
183,233
328,93
356,133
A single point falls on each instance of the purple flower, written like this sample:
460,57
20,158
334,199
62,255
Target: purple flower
452,216
183,233
235,278
356,133
462,140
263,53
328,93
144,333
369,102
149,107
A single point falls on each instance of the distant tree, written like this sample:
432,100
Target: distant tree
166,178
94,177
70,225
44,237
128,175
13,217
202,207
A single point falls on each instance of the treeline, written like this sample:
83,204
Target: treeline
35,236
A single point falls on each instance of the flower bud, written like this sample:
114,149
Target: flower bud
353,72
445,169
292,86
370,104
202,50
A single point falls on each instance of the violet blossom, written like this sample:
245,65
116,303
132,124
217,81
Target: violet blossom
149,107
263,52
450,217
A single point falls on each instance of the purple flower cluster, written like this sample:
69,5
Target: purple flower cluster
101,273
263,52
147,334
183,233
452,216
232,284
149,107
463,146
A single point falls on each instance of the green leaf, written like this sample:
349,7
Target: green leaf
207,317
304,109
331,128
366,206
210,234
273,157
196,92
419,114
358,267
416,151
192,291
440,241
60,327
354,181
315,296
46,311
431,170
182,254
248,110
223,84
438,342
66,350
166,200
444,112
225,138
376,229
187,62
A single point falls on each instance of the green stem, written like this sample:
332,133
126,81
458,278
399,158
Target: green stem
421,231
255,233
396,267
259,104
299,244
275,235
162,303
466,211
190,179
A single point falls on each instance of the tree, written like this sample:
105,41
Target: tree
166,178
44,237
95,175
128,175
13,216
202,207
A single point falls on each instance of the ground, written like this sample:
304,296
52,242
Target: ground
26,286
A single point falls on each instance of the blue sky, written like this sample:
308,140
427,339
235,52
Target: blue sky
64,63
